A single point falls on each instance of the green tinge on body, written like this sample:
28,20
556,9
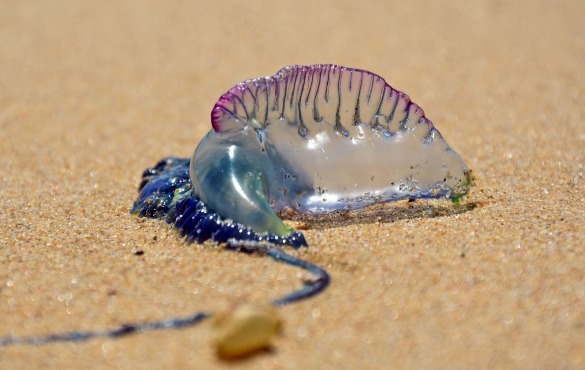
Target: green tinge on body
230,179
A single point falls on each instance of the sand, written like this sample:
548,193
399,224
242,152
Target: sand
92,93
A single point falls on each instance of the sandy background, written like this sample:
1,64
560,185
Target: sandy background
92,93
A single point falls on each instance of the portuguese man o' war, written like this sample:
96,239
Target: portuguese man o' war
315,140
308,141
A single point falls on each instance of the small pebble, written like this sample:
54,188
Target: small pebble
246,329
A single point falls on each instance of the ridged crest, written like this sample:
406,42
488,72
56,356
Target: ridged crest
310,96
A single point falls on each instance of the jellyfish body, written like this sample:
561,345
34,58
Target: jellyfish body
316,140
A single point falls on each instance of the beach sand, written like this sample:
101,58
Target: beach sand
92,93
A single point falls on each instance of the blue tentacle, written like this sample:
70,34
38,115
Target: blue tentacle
166,192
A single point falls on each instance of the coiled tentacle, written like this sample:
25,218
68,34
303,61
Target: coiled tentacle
166,192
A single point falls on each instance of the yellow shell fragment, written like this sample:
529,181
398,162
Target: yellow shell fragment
246,329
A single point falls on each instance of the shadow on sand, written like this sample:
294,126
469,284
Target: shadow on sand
382,213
